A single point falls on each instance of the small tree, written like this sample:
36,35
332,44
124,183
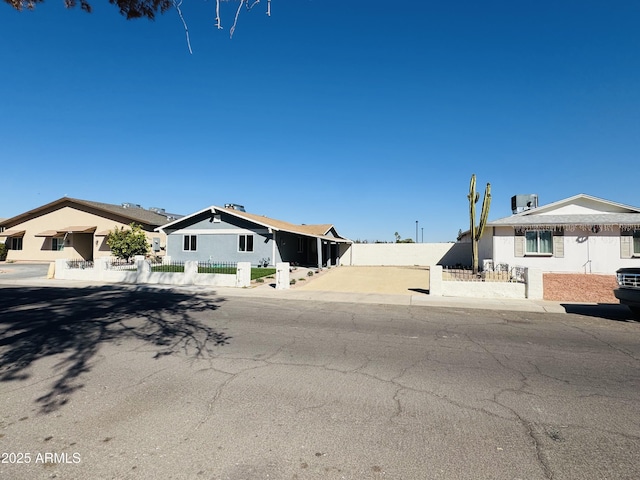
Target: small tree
3,252
126,243
476,232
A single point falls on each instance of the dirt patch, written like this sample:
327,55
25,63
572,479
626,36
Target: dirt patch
579,287
383,280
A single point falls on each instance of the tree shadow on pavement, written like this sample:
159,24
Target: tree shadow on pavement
610,311
36,323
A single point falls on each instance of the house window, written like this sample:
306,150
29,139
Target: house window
16,243
539,242
57,244
300,244
245,243
190,243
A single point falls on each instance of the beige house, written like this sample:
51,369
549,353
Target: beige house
76,229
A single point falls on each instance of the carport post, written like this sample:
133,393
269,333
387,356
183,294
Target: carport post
319,240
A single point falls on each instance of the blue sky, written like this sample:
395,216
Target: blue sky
369,115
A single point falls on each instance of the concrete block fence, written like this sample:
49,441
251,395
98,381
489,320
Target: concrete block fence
532,288
140,272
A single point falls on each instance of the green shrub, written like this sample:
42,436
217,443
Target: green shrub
3,252
128,243
309,273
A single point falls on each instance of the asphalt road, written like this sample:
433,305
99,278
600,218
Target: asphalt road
113,383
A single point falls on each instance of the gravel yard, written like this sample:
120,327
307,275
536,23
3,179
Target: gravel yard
579,287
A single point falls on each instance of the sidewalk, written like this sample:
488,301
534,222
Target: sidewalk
418,299
267,290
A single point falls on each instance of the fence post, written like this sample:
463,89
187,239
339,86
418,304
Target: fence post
101,265
282,276
534,288
435,280
190,272
61,268
142,269
243,274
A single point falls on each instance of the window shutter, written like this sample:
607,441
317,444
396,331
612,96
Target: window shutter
625,246
558,246
518,243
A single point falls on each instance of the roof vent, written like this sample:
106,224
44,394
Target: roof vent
131,205
158,210
235,206
522,203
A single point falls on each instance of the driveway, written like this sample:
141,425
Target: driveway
383,280
22,271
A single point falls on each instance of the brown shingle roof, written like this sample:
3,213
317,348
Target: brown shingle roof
139,215
320,230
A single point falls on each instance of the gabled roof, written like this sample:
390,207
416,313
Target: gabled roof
607,205
605,212
317,231
139,215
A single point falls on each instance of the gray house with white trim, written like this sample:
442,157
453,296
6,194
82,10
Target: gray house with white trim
230,234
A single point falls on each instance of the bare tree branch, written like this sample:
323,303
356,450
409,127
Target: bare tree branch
235,21
186,30
218,22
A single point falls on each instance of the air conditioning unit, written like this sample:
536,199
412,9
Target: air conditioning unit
235,206
522,203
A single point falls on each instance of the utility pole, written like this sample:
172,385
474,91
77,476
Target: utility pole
416,231
422,239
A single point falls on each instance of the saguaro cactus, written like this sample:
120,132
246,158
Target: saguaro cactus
476,232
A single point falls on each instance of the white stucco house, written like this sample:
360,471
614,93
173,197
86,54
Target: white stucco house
580,234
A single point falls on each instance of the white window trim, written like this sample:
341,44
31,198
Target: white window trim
537,254
189,249
246,235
